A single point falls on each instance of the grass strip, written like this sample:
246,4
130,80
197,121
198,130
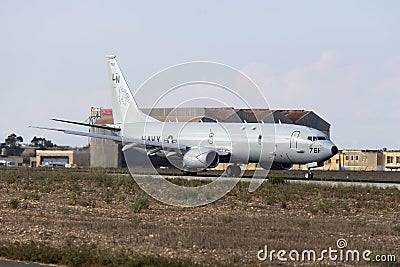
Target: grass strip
85,256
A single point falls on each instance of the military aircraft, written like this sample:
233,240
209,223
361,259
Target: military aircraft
193,146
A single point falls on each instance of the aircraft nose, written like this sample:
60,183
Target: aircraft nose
334,150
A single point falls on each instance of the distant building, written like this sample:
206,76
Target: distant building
73,157
105,153
361,160
356,160
11,161
391,159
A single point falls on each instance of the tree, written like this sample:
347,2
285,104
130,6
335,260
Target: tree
13,145
13,141
42,142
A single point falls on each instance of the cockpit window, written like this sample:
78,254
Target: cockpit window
315,138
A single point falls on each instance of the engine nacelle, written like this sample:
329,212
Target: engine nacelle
200,158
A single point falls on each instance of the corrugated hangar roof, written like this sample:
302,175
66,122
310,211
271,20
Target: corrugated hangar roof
294,115
221,113
105,120
229,114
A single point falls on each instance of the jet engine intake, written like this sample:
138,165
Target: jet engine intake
200,158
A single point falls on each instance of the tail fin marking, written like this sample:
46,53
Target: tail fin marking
122,98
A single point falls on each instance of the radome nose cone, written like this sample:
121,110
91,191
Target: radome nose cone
334,150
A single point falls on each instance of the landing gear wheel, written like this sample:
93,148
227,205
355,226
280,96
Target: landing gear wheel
229,171
237,171
309,175
233,171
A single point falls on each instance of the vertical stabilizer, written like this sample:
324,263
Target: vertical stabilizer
121,96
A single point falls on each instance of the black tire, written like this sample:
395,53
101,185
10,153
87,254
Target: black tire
237,171
230,171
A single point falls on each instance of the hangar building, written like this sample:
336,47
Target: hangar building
74,157
106,153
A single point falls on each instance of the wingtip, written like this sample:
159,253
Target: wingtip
46,128
110,56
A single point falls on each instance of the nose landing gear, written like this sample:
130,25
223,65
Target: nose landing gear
309,175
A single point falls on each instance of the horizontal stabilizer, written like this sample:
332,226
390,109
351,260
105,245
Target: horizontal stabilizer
101,126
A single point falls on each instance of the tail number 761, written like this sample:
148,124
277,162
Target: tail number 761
315,150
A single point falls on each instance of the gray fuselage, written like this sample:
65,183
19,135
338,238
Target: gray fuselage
245,142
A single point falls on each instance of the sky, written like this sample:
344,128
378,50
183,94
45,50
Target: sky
340,59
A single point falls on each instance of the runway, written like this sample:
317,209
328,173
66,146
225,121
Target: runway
340,182
350,183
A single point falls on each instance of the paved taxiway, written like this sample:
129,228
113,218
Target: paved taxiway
322,182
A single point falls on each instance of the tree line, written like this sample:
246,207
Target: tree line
13,143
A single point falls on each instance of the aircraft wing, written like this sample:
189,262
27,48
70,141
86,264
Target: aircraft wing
163,145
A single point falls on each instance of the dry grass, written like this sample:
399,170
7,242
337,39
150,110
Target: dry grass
62,209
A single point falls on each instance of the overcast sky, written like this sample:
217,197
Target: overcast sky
340,59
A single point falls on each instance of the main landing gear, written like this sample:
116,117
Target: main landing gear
233,171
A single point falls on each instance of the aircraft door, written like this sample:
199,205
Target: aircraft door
294,140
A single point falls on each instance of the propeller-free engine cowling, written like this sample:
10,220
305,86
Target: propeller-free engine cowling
200,158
